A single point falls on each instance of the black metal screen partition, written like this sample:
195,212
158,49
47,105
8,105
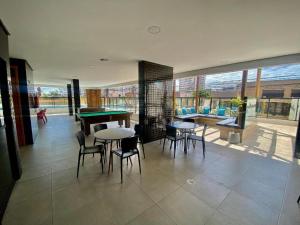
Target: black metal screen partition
155,98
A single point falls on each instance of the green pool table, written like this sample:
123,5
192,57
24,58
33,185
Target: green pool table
88,118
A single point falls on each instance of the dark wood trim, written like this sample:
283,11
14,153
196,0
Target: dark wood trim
22,88
17,105
9,125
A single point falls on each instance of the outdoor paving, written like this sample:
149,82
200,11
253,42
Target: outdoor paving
254,183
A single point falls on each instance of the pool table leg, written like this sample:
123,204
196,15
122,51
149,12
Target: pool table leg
120,122
127,123
87,129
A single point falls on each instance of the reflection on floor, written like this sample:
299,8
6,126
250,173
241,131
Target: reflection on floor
256,182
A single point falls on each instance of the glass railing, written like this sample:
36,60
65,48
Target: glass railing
281,108
130,104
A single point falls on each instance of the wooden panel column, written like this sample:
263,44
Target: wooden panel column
70,100
93,98
258,83
244,83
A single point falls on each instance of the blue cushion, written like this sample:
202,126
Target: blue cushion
221,112
193,110
184,111
206,110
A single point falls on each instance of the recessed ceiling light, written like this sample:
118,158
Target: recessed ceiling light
154,29
103,59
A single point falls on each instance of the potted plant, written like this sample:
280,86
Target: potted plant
234,138
237,103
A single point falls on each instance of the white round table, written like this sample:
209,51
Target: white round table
114,133
185,126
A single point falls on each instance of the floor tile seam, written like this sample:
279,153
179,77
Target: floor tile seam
205,201
155,204
232,191
218,208
265,184
52,202
277,212
173,180
32,178
283,199
164,196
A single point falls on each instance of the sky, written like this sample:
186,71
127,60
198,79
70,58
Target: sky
283,72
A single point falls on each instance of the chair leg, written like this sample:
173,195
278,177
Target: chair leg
121,170
110,162
101,161
203,146
174,148
142,143
298,201
139,163
164,144
83,159
104,155
171,144
130,161
79,156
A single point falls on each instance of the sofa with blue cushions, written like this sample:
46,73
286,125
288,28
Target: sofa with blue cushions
205,115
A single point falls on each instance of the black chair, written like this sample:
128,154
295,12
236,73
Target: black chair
201,138
97,128
128,149
84,150
162,125
139,133
171,134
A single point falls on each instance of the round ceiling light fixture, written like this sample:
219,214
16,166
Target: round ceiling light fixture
103,59
154,29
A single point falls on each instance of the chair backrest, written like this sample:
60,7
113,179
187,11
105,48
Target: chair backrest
204,130
170,131
100,127
138,129
81,138
128,144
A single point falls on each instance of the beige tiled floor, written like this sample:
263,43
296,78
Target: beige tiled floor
256,182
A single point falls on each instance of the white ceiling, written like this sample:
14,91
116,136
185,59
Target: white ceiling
64,39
